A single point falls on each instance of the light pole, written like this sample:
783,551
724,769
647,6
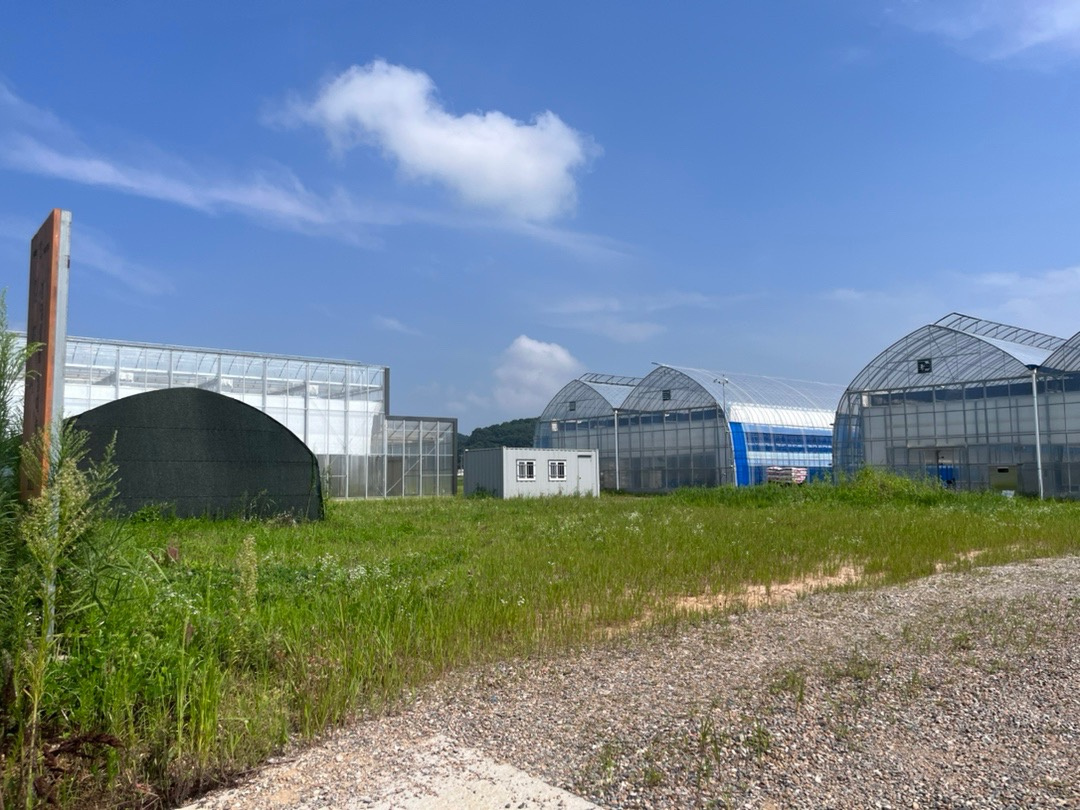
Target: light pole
723,381
616,411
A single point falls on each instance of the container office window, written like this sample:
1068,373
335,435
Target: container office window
556,470
526,471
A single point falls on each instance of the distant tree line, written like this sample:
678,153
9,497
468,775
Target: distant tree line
515,433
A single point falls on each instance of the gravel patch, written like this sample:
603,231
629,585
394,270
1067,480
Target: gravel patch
958,690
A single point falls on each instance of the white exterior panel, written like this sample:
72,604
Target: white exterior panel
528,472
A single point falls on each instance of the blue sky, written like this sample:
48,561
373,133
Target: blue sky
491,198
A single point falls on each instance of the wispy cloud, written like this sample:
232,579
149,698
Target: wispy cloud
626,319
1043,300
997,29
524,170
851,56
671,299
282,199
623,330
589,246
94,250
36,141
530,372
394,325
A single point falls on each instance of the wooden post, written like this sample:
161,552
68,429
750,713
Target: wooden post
46,325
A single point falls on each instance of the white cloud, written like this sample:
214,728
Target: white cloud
529,374
998,29
525,170
394,325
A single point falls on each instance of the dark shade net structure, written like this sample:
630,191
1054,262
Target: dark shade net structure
204,454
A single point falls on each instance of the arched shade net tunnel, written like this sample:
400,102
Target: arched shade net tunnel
681,427
976,403
199,453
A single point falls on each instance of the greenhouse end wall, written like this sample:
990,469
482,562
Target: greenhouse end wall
969,437
973,403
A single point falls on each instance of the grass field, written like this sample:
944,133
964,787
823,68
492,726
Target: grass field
209,644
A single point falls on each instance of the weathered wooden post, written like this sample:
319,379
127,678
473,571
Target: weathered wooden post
46,326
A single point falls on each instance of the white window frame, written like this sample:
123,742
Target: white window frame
557,470
526,469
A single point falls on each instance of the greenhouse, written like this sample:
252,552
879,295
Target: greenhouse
684,427
338,408
975,403
582,415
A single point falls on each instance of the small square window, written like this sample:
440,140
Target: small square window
665,395
571,405
924,365
556,470
526,470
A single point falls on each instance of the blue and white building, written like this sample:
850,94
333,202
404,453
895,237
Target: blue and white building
684,427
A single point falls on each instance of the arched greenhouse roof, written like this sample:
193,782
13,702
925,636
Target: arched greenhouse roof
612,388
956,349
745,397
590,396
1067,356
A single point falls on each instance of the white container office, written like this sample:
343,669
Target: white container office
529,472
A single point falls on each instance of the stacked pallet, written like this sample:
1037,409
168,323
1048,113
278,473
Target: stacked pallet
785,475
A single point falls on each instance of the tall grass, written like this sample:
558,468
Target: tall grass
213,643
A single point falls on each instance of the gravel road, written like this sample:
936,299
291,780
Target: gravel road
959,690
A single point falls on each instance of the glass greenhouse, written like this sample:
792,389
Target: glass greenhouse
338,408
976,403
681,427
582,415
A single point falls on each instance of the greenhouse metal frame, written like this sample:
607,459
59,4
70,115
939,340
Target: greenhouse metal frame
338,408
686,427
975,403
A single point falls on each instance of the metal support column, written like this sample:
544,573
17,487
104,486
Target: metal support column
1038,436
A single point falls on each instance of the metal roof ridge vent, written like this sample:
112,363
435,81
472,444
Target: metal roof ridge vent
982,327
608,379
